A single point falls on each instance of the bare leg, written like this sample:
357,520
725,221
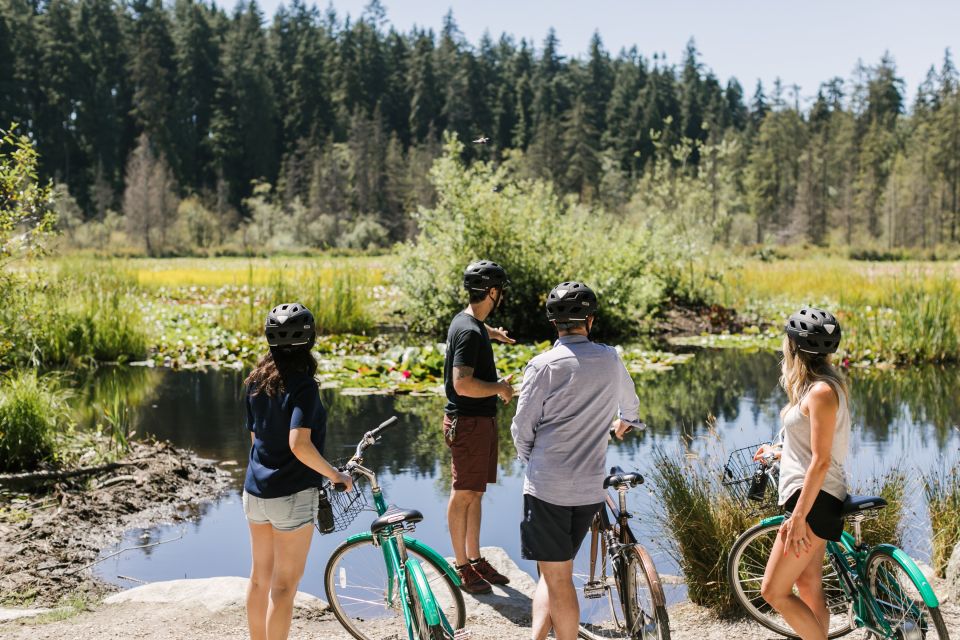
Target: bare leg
290,556
473,527
782,573
542,623
458,511
810,588
564,608
261,573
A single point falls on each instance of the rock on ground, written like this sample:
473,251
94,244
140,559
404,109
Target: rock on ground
953,574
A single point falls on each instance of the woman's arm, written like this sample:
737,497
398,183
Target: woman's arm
822,405
302,447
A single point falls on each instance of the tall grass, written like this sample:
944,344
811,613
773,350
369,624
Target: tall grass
73,313
943,497
31,410
885,526
703,522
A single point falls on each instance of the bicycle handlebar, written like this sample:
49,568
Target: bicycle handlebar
369,439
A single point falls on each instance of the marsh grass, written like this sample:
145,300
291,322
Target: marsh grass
896,313
887,526
942,489
32,410
703,522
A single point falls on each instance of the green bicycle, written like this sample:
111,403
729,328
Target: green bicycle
879,589
383,584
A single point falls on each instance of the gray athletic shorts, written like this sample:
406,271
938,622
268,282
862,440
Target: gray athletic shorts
287,513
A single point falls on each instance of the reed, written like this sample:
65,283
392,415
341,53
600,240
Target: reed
942,488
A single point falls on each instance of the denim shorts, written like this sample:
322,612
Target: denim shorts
287,513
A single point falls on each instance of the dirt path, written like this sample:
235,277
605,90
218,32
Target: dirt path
161,612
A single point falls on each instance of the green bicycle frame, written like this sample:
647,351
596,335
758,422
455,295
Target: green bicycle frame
865,607
391,556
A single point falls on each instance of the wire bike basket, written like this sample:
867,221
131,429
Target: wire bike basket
752,483
338,509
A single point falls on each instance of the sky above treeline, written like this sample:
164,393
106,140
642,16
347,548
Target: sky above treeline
804,43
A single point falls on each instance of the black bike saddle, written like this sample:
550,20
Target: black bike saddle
859,504
394,516
619,477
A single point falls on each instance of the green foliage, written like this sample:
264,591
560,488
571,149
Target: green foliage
26,205
32,409
537,236
943,496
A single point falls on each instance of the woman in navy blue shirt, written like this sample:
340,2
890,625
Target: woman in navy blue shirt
281,492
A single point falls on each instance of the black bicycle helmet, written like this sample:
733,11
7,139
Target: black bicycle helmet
570,302
483,275
814,330
290,325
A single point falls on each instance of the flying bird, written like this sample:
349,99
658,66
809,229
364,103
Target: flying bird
481,140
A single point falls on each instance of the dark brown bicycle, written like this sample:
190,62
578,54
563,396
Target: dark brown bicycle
619,589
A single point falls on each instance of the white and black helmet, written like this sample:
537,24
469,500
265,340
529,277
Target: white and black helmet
814,330
290,325
571,302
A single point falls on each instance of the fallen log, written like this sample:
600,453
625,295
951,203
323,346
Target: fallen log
63,474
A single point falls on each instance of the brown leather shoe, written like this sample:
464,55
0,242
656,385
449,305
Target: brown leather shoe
488,573
471,581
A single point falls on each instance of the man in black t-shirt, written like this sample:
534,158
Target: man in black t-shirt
469,424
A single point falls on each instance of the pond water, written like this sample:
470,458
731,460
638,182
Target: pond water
730,397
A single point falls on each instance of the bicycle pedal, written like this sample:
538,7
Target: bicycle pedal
462,634
594,590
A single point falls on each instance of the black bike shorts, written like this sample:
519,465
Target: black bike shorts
551,533
826,516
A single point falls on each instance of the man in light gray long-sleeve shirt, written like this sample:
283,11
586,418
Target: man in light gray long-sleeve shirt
568,398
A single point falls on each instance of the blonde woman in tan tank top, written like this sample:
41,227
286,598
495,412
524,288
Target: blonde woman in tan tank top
813,482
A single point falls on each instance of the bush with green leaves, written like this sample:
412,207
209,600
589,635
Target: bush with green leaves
26,205
484,212
31,410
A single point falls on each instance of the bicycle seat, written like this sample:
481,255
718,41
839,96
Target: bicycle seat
394,516
858,504
618,478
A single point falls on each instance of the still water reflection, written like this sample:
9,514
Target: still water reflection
900,418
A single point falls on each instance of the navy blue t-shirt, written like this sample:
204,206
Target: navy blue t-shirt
273,470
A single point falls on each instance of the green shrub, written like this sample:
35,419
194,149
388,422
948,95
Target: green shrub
31,409
943,498
541,240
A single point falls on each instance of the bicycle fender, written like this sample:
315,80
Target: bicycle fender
772,520
910,566
431,611
427,552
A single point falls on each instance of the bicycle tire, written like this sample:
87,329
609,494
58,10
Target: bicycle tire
640,566
606,620
881,568
745,568
418,619
366,628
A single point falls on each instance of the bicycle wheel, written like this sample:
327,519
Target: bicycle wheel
745,569
602,615
899,601
367,603
423,630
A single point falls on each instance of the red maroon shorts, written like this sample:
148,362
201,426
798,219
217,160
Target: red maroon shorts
474,444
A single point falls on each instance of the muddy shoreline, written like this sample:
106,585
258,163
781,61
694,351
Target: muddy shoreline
51,534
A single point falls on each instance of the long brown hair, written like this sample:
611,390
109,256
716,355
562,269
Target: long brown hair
277,366
800,370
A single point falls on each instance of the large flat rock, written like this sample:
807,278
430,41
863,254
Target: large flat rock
216,594
513,602
953,575
16,614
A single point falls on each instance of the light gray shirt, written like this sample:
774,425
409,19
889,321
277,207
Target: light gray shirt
568,399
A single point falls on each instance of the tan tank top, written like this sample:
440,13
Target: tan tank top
798,452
